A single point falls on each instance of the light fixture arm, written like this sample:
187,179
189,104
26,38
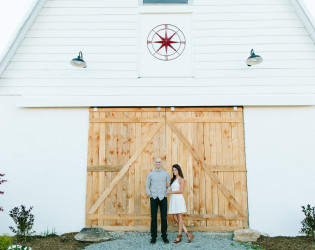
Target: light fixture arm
81,55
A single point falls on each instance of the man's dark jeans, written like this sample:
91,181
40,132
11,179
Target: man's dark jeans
154,204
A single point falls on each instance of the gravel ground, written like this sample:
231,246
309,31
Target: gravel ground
202,240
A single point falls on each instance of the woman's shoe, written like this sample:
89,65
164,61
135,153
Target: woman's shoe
178,239
190,236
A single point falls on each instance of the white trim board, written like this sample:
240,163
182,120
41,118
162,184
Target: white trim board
19,34
130,101
305,17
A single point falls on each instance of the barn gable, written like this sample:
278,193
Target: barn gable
107,32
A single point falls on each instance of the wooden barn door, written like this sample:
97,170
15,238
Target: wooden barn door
208,143
122,144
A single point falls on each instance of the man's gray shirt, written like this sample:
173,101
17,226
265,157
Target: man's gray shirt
157,180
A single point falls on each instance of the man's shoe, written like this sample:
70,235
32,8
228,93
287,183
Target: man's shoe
153,240
166,241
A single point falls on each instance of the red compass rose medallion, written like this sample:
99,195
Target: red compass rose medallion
166,42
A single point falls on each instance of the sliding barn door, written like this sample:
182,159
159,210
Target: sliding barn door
122,144
208,143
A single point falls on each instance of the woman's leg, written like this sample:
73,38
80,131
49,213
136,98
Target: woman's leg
176,220
180,223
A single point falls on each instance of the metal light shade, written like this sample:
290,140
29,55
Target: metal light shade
78,62
253,59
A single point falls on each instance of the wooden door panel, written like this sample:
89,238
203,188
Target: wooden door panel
208,143
112,143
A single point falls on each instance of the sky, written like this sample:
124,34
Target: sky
13,11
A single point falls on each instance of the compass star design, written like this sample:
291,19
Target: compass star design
166,42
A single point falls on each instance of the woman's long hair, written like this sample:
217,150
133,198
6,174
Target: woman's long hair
179,172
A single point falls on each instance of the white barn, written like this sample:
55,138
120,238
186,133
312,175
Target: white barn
77,143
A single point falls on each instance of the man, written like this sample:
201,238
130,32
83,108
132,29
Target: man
156,190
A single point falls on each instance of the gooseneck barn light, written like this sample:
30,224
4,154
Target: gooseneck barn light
78,62
253,59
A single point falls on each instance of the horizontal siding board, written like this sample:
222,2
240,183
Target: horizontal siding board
87,11
66,65
214,49
110,18
99,49
254,40
90,4
276,64
81,34
230,8
245,16
275,32
267,56
156,82
254,73
95,58
85,26
67,74
253,24
120,65
80,41
239,2
86,74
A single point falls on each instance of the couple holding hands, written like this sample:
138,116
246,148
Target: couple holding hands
158,186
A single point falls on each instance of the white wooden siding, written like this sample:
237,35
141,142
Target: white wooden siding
224,32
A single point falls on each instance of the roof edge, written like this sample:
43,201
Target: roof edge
305,17
19,34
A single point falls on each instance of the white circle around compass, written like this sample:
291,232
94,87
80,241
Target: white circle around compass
166,42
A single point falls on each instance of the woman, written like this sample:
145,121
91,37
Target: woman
177,203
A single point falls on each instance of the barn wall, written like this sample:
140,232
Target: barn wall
43,153
224,32
280,163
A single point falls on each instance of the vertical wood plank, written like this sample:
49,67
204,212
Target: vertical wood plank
113,152
168,150
208,191
213,161
182,161
196,167
149,161
228,160
101,182
219,161
125,178
144,169
108,161
120,161
131,187
96,144
190,173
138,171
202,180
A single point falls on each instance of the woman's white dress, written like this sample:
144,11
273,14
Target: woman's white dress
177,201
